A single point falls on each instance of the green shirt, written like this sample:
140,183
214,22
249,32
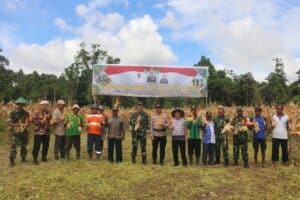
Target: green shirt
144,124
73,123
194,127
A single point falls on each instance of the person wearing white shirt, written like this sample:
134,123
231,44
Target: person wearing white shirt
179,133
280,127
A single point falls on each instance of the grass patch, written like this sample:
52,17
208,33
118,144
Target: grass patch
97,179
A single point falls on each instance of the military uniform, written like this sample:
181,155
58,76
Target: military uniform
240,139
139,133
19,121
221,139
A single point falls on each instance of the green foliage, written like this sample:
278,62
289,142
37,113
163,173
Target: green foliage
74,85
296,99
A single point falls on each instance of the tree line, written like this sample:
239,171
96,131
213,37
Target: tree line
74,84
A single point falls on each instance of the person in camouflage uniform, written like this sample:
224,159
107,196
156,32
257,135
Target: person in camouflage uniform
221,139
19,123
139,122
240,138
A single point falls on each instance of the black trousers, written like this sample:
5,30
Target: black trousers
194,148
115,144
59,146
70,141
208,152
179,144
259,142
275,149
38,140
92,140
161,142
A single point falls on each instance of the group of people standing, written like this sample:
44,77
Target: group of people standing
208,134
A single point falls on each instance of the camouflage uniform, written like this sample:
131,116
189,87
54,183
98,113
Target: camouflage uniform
221,139
140,134
240,140
18,136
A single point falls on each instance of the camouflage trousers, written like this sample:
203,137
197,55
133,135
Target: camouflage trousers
18,140
136,139
221,147
240,141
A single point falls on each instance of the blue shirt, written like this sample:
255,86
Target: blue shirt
261,124
209,136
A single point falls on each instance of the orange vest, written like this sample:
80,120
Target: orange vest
94,124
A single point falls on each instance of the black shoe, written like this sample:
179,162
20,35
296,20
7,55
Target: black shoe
56,158
44,159
35,162
23,160
217,162
154,162
246,165
235,163
12,163
161,162
133,160
226,163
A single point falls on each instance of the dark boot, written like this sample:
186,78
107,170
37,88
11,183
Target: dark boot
12,163
133,160
161,162
246,165
255,158
263,160
217,160
236,163
23,160
144,160
191,159
90,155
44,159
226,163
35,161
197,160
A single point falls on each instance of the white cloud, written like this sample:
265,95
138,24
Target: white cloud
62,24
169,21
11,5
52,57
245,36
136,41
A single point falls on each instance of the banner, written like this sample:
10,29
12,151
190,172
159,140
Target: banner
150,81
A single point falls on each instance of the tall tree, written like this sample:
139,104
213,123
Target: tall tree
276,90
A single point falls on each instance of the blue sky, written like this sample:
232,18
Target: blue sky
43,35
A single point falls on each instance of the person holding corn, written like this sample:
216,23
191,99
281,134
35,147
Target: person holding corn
139,122
240,137
18,122
74,125
280,125
221,136
194,124
258,127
